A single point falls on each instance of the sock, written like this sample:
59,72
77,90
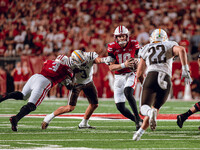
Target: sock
141,131
49,117
13,95
187,114
128,91
26,109
125,111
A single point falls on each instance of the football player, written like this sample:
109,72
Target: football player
156,58
123,51
83,81
196,108
38,85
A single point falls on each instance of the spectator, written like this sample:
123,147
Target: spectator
195,43
2,48
17,74
10,52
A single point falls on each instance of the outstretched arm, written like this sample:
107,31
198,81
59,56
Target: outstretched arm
107,60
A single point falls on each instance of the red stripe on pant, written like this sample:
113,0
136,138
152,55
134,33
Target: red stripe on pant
39,101
197,104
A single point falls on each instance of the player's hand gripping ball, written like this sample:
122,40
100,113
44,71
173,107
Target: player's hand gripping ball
135,62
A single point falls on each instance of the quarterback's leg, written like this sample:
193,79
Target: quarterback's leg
91,94
128,92
119,97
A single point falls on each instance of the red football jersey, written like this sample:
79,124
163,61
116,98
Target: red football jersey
55,71
122,54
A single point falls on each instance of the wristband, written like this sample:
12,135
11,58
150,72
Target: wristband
123,66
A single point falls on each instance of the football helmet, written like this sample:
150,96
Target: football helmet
78,57
121,30
158,35
62,59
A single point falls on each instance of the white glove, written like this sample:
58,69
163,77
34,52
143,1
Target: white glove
66,82
186,74
107,60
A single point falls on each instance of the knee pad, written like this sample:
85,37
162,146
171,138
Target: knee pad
121,106
128,91
197,106
144,110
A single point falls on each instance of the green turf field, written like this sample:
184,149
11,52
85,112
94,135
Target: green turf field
63,133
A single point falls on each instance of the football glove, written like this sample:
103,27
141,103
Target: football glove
186,74
107,60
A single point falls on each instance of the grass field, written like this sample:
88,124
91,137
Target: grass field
63,133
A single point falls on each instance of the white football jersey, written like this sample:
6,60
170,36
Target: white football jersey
85,74
158,56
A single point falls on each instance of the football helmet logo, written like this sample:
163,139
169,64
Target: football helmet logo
78,57
62,59
121,30
158,35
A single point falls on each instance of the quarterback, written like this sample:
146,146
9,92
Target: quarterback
123,51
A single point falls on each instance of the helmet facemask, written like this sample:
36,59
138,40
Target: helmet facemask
121,31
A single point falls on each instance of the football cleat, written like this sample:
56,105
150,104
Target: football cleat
44,125
13,122
199,128
152,119
80,126
180,120
137,136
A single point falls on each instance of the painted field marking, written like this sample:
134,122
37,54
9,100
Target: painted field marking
105,116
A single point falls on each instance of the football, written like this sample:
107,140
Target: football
136,62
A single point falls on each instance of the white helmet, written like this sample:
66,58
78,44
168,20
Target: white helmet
121,30
62,59
78,57
158,35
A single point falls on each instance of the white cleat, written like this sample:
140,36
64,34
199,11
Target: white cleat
152,119
80,126
137,136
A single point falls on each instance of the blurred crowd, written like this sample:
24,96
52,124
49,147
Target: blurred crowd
43,28
36,27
